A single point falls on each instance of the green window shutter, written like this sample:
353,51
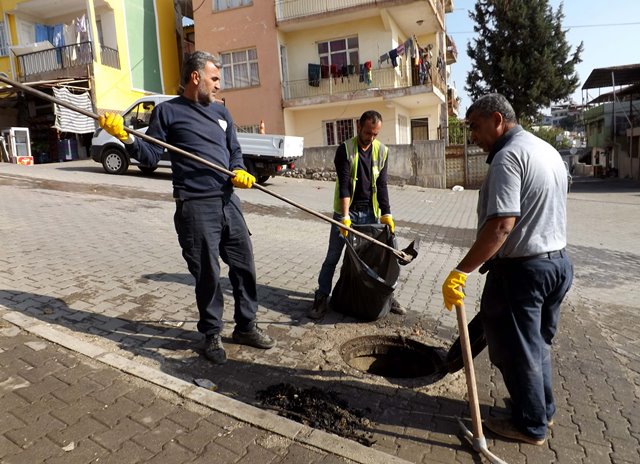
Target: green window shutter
142,39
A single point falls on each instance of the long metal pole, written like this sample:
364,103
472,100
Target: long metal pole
405,257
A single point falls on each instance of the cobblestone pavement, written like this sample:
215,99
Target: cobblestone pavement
95,258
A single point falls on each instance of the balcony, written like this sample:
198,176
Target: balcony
292,9
56,62
109,57
385,82
298,14
453,102
67,61
452,50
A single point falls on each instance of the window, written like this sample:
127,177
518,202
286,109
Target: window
219,5
339,52
336,132
139,116
240,69
4,44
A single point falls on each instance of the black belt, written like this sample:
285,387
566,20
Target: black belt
493,263
548,255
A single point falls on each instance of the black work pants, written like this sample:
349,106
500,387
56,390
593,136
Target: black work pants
212,228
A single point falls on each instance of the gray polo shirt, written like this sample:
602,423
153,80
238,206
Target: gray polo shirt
526,179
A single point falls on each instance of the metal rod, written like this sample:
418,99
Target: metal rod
400,254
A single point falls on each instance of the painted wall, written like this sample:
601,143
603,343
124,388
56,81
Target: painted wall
240,29
114,88
373,41
308,122
302,47
10,25
422,163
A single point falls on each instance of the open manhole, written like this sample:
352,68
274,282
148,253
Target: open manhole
393,357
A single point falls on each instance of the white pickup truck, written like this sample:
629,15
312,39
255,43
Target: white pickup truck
264,155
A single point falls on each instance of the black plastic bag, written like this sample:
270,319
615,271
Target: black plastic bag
368,275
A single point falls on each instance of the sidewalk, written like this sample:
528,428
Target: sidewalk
91,261
60,406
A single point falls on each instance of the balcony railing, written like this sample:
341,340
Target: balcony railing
381,79
291,9
109,57
55,59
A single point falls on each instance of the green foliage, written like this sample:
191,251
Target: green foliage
521,52
550,135
569,123
456,131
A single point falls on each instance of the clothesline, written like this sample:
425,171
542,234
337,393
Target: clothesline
60,34
421,60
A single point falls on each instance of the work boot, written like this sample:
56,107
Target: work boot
213,349
320,306
255,338
396,308
506,428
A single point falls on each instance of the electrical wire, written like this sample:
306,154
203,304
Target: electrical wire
567,27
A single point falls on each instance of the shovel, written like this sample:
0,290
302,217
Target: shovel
476,438
404,256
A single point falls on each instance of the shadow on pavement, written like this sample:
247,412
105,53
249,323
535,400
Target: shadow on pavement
606,185
290,302
133,171
398,414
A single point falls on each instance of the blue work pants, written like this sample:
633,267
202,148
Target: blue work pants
520,309
336,245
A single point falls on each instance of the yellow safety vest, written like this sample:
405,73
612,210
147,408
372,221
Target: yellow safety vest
377,163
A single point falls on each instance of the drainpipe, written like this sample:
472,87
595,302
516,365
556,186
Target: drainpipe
613,82
466,157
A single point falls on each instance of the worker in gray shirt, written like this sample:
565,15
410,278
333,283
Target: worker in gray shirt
521,241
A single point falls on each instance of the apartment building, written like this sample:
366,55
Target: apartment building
612,120
99,54
311,68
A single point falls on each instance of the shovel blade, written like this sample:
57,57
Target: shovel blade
409,253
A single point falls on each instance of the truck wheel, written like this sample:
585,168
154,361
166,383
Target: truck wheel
263,179
147,169
114,161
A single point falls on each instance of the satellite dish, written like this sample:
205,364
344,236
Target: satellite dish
573,150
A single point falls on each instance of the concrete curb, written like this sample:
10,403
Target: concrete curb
252,415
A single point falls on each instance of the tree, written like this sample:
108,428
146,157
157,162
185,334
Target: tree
521,52
568,123
553,136
456,131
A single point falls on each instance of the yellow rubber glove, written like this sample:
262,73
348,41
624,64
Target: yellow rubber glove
388,220
347,222
114,124
242,179
452,289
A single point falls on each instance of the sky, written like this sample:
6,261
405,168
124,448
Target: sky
610,31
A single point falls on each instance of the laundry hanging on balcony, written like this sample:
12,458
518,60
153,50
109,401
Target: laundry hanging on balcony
408,49
68,120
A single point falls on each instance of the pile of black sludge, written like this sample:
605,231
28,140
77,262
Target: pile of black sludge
319,409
